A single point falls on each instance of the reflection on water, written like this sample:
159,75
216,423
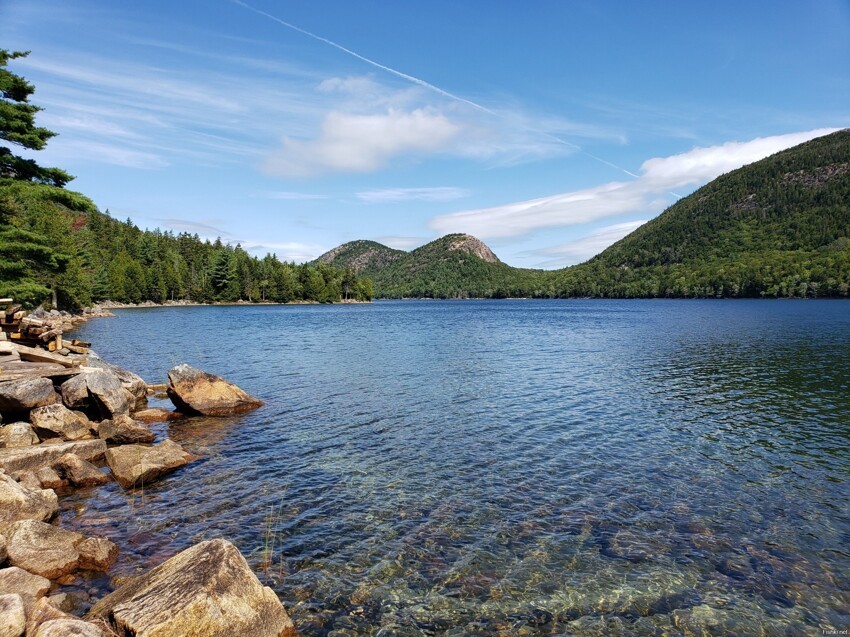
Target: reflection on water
512,467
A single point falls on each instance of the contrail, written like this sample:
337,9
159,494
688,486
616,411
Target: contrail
422,83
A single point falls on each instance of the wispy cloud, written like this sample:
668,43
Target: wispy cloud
584,248
646,193
288,195
205,230
286,250
361,143
402,243
394,195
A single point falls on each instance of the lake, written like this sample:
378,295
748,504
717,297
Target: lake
518,467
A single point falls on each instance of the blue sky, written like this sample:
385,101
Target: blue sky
548,129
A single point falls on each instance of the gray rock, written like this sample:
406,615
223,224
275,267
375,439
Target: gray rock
207,589
137,465
123,430
17,502
107,393
79,472
75,393
57,421
18,396
17,434
196,392
13,618
16,461
43,549
130,381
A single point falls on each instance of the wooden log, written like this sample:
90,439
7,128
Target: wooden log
12,309
76,348
6,301
29,320
37,355
50,334
17,316
78,343
17,370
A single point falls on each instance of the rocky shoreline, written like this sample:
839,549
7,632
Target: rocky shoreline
64,431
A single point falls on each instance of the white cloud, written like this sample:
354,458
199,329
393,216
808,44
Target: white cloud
361,143
285,251
586,247
402,243
393,195
645,194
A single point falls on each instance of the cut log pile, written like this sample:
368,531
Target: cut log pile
31,346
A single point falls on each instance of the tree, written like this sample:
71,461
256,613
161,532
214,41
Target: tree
17,126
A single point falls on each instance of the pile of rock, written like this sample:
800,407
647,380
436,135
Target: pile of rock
60,431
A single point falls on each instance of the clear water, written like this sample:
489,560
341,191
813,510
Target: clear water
510,467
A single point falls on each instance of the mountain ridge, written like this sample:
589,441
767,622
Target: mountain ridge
779,227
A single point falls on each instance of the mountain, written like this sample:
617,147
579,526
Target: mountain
453,266
779,227
365,257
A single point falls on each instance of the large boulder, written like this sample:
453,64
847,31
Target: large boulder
43,549
57,421
123,430
107,393
131,382
196,392
16,461
79,472
17,434
137,465
75,393
18,396
18,502
207,589
13,618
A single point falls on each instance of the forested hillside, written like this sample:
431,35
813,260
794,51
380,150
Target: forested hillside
779,227
55,241
56,247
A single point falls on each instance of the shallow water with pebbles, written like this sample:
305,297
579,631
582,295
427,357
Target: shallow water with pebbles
508,467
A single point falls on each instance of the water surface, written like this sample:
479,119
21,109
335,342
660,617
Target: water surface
510,467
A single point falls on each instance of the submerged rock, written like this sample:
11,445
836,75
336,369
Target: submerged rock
207,589
155,414
196,392
18,502
18,396
137,465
